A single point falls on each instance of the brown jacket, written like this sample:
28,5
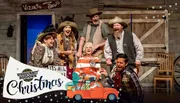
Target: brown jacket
37,55
66,59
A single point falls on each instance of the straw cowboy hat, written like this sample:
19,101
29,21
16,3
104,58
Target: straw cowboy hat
117,20
93,11
67,23
49,30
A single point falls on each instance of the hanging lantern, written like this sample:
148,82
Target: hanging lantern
10,31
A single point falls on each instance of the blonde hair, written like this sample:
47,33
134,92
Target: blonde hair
88,43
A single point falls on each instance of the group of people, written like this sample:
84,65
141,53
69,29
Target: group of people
82,56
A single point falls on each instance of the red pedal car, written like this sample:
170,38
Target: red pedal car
94,93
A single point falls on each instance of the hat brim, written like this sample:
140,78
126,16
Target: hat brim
42,35
122,23
90,15
67,23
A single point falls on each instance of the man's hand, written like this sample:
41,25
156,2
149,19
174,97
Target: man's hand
95,47
81,43
108,61
138,62
79,54
70,52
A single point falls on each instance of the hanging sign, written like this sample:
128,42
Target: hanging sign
41,5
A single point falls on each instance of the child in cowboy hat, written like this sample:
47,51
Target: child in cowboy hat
67,44
94,31
44,52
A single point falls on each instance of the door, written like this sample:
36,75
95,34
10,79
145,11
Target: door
30,25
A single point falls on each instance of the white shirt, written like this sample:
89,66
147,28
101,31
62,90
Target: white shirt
119,42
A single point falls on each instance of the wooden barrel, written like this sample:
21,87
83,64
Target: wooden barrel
3,64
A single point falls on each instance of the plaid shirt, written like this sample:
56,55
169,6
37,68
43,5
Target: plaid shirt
131,84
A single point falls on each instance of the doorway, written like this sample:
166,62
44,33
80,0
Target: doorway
30,25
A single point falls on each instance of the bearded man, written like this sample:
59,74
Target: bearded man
94,31
123,41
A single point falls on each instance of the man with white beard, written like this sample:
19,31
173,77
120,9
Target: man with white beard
94,31
123,41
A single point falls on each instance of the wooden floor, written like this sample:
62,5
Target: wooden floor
161,97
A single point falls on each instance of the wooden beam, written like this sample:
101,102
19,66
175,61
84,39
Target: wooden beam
147,20
167,32
151,30
137,20
103,60
35,13
18,36
153,45
147,73
134,12
149,59
147,84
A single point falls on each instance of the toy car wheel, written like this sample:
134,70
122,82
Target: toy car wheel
111,97
78,97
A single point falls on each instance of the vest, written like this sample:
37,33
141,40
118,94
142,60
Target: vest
66,58
128,46
97,37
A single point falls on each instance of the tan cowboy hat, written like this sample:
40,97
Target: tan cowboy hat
117,20
93,11
49,30
67,23
42,35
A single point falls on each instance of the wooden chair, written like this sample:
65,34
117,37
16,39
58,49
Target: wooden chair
165,71
3,63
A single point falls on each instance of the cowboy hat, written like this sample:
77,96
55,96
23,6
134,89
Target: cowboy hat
117,20
49,30
93,11
67,23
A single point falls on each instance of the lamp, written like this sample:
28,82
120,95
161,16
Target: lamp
10,31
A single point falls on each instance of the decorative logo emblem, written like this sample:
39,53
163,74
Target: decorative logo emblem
27,75
92,63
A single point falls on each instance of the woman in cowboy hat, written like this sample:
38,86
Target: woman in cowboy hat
122,41
67,44
94,31
43,52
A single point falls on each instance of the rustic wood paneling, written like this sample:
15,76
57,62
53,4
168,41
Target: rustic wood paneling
134,2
